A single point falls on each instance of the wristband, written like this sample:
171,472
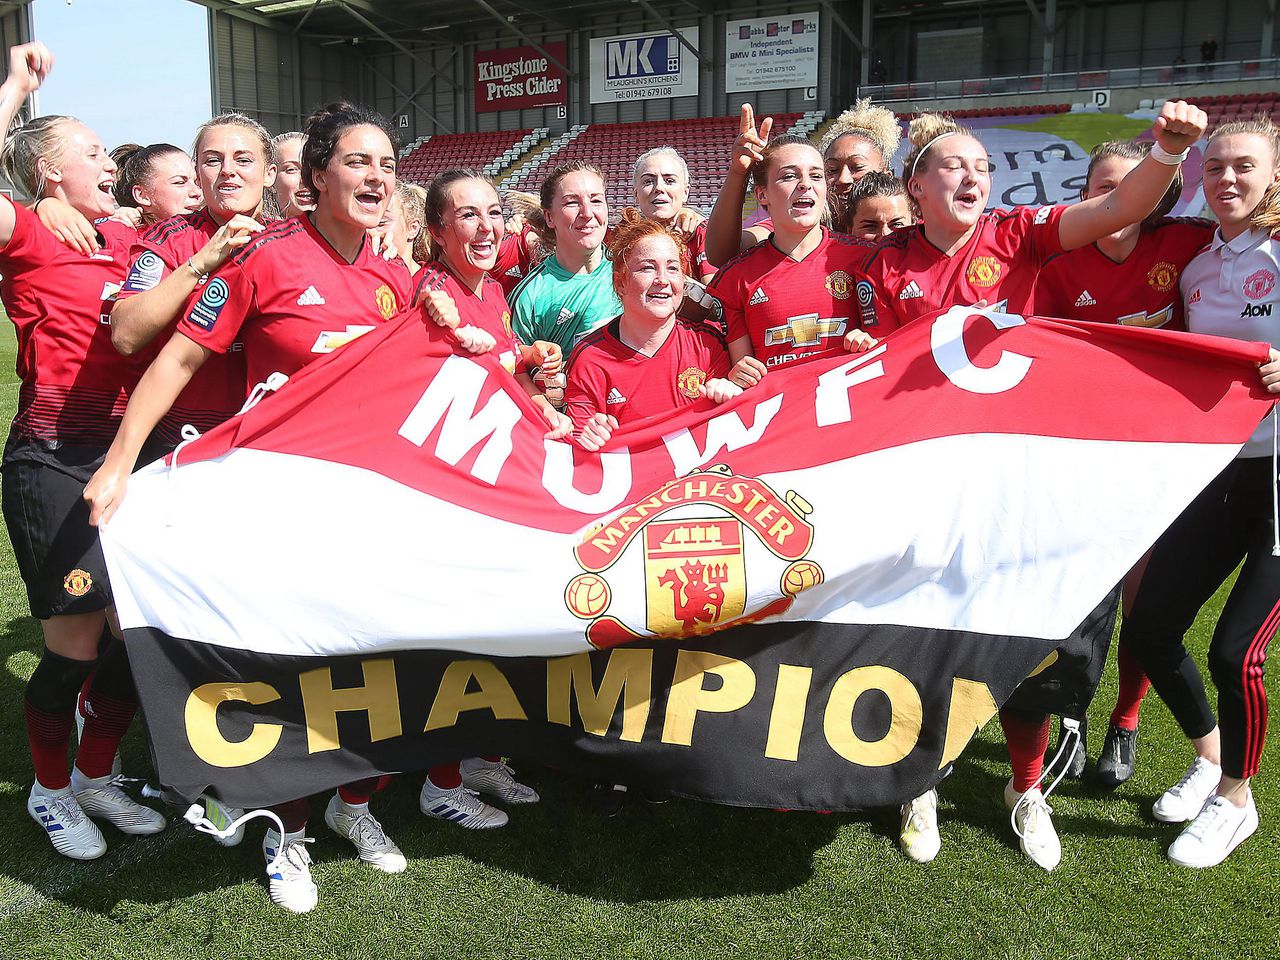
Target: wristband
36,206
200,277
1161,155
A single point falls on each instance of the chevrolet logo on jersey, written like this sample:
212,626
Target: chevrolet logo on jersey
1157,319
331,340
806,331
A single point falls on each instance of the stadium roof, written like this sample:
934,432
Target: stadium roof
428,21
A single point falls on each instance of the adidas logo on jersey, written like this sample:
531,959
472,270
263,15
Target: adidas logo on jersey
758,297
1195,296
310,297
565,316
911,291
615,396
1086,300
515,271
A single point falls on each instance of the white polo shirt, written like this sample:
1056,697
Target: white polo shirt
1232,289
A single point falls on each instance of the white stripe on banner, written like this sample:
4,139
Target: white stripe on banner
989,533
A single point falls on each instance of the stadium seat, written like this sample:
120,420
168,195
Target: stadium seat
446,150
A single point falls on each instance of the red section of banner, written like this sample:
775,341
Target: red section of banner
947,375
516,78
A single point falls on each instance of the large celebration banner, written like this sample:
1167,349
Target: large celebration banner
809,597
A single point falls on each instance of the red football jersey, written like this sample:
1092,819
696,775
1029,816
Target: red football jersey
790,309
1086,284
116,237
74,383
513,262
217,390
700,267
607,376
489,311
289,298
907,276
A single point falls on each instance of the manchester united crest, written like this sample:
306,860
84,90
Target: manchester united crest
840,285
712,550
1259,283
1163,276
983,271
689,380
77,582
385,298
506,323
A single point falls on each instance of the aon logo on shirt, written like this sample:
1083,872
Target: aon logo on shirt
1256,310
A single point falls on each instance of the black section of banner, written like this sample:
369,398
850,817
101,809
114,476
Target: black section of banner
807,716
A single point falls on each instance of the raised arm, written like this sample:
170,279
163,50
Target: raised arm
725,236
1179,125
29,64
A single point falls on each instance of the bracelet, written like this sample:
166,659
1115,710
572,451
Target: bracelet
1161,155
200,277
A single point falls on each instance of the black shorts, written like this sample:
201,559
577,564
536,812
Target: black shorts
59,555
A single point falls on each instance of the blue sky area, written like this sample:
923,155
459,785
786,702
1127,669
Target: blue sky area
133,70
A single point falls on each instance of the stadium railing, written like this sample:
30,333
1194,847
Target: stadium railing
1221,71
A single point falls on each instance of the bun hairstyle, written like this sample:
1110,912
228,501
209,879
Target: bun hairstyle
31,149
137,168
325,128
1266,216
874,184
437,198
877,125
630,231
922,134
1135,150
760,169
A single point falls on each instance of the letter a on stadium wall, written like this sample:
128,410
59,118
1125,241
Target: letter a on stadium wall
809,597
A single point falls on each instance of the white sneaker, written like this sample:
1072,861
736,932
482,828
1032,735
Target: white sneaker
289,871
459,805
497,780
1033,823
72,833
1218,829
919,838
222,816
1187,797
362,828
103,798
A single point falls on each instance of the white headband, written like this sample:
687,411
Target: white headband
925,149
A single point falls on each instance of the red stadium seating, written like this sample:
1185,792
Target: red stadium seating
704,142
457,150
1223,108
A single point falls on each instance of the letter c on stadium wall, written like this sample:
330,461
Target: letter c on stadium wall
949,353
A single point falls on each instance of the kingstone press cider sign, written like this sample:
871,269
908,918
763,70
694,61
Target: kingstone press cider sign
517,78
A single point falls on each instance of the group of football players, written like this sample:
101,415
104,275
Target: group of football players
154,291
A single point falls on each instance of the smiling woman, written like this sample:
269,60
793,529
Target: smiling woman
300,289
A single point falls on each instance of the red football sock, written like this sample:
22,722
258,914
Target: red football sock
106,720
445,777
293,814
358,791
1133,687
1028,738
48,734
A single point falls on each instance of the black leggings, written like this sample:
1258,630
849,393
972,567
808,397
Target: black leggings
1230,521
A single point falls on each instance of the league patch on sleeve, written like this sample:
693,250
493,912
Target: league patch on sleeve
146,272
1042,215
205,312
867,304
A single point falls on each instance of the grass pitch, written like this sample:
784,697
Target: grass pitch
678,880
